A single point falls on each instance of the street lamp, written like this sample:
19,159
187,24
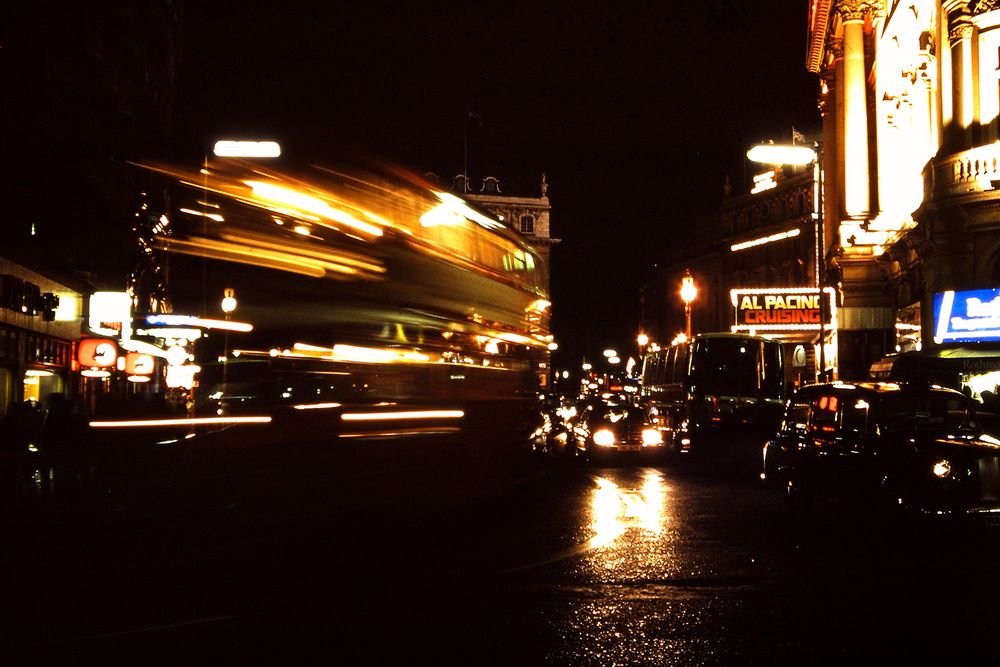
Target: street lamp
228,306
688,294
229,148
779,154
643,341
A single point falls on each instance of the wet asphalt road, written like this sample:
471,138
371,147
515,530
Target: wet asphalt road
680,564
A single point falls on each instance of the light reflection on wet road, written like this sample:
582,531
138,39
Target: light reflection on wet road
623,565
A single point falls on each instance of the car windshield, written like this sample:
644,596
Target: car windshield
927,412
615,412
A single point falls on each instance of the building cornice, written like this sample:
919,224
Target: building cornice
504,200
819,21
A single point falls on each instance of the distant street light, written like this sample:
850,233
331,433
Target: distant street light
610,353
688,294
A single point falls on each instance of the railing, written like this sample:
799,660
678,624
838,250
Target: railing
970,171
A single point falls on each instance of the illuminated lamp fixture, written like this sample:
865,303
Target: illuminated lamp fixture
781,154
688,294
228,301
228,148
228,306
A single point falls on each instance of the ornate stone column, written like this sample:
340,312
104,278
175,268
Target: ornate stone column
963,68
856,183
836,82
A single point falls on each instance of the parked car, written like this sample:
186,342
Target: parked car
914,447
605,428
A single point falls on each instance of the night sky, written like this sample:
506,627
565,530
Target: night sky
635,111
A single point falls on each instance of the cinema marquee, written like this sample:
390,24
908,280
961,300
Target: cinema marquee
793,308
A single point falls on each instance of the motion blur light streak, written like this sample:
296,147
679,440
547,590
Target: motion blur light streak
408,414
402,433
459,208
193,321
341,352
256,256
190,421
310,204
210,216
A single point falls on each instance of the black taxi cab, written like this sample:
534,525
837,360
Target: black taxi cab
910,446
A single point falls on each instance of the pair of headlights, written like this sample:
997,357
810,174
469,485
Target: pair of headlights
606,437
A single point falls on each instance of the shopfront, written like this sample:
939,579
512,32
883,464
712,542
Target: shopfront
39,321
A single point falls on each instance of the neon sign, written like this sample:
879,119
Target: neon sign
97,353
791,308
969,316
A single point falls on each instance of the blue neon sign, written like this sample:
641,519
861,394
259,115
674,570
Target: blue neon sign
966,317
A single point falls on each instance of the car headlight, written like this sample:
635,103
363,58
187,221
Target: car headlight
941,468
651,437
604,438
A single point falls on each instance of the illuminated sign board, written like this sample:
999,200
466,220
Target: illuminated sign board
762,182
111,314
97,353
785,308
139,363
968,316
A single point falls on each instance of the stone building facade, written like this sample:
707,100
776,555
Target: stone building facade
910,100
909,162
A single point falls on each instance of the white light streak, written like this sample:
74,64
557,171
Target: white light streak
407,414
191,421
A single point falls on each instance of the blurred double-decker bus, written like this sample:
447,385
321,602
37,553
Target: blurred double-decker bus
347,305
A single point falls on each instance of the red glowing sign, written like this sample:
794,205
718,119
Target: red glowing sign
138,363
97,352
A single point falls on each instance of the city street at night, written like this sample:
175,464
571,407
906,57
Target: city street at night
501,333
678,564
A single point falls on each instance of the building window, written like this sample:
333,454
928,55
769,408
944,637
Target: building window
527,224
491,185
